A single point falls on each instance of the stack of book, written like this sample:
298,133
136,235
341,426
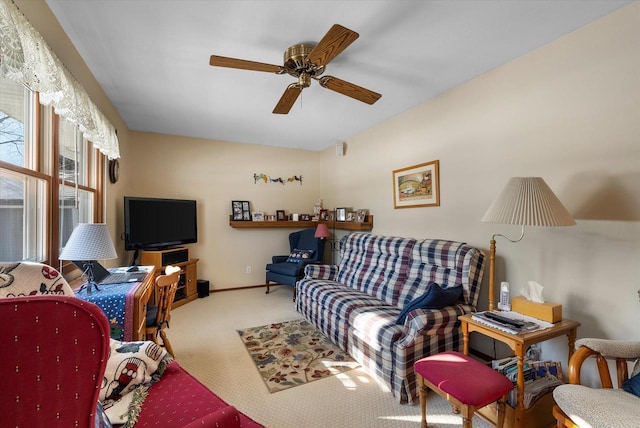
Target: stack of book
540,377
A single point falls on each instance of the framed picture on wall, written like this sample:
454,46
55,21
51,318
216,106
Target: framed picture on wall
417,186
240,211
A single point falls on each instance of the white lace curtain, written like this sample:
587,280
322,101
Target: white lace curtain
26,58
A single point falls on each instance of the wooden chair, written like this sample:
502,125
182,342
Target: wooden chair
581,406
158,316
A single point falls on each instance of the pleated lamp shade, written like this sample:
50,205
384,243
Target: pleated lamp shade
528,201
89,241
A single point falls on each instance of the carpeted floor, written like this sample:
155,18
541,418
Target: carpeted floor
204,338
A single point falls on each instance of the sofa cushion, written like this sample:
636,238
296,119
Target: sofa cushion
327,304
289,269
435,260
297,255
595,406
376,265
435,297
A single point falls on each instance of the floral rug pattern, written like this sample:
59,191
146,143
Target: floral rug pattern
293,353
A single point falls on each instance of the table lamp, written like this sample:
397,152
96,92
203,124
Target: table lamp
525,201
89,242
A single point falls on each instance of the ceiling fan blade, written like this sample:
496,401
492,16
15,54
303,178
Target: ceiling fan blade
222,61
288,99
337,39
349,89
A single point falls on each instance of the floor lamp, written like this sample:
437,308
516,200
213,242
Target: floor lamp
525,201
322,232
89,242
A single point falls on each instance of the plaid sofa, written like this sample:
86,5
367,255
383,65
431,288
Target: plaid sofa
357,303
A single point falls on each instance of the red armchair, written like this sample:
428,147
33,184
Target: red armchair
53,359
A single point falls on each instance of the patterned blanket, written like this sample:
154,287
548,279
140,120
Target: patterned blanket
131,370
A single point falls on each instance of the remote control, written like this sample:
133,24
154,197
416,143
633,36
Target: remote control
505,320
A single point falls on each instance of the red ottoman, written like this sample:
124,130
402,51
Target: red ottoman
463,381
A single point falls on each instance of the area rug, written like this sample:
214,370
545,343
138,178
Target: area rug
293,353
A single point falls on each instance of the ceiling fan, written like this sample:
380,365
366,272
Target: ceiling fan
307,61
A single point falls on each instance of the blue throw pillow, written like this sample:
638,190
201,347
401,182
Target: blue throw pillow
435,297
632,386
298,255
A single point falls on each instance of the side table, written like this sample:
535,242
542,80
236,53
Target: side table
519,343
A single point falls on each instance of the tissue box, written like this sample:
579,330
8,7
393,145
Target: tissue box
550,312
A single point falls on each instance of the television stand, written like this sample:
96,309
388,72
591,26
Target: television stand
179,256
169,256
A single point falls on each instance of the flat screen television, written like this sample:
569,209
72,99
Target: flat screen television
154,223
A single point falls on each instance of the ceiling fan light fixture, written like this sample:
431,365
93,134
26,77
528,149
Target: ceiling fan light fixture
306,61
304,80
295,59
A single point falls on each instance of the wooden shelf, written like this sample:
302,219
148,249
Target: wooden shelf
366,226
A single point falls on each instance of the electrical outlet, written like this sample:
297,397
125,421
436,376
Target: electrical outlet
248,270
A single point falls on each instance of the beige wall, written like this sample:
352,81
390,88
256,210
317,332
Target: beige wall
215,173
567,112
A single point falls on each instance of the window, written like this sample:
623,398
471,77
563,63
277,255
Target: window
42,199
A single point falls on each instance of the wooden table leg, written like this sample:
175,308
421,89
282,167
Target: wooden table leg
519,410
465,338
571,335
423,401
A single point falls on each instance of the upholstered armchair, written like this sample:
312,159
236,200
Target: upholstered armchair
584,407
57,361
54,357
304,249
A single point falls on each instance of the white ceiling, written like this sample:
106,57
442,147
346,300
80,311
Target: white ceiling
152,58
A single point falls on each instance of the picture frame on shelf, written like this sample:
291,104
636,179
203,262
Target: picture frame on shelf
305,217
351,216
331,216
240,211
361,215
341,214
258,216
417,186
324,215
280,215
270,217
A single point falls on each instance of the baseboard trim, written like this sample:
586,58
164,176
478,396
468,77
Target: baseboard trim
238,288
